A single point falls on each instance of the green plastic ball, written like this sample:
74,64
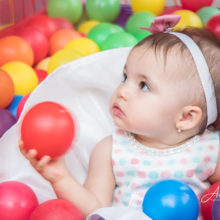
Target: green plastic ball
101,31
140,36
119,39
206,13
103,10
69,9
138,20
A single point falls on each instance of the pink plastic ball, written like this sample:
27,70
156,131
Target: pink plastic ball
21,105
56,209
17,201
195,5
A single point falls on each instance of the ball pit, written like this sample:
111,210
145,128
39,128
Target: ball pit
15,48
156,6
49,128
83,46
38,41
86,26
63,23
60,38
103,10
69,9
23,76
101,31
62,57
124,14
206,13
43,23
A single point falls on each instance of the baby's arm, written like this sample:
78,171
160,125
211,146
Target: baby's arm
98,188
216,176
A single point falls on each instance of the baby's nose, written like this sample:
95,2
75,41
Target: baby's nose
123,91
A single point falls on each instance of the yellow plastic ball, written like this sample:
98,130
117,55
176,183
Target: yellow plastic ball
43,64
84,46
62,57
87,26
188,19
23,76
154,6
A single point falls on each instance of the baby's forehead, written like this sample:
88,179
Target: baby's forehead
163,56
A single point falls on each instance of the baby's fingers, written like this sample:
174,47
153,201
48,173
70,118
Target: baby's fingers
21,147
42,163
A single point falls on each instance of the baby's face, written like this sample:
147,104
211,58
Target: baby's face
149,98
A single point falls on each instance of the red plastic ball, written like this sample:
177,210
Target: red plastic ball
207,199
213,25
49,128
195,5
41,74
43,23
17,201
38,41
171,9
56,209
63,23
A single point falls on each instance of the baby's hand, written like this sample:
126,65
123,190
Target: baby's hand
51,170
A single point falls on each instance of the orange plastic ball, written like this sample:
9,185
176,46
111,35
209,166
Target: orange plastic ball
6,89
14,48
60,38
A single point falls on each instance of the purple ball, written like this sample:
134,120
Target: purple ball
125,13
6,121
216,208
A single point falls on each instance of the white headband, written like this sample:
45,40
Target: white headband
204,75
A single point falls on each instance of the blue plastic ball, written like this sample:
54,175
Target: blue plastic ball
12,108
171,200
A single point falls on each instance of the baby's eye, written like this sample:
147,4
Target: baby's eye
124,77
144,86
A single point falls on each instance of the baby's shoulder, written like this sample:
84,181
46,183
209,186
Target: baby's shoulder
103,145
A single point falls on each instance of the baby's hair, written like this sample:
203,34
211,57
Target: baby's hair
209,44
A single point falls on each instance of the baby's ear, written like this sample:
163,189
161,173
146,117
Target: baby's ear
189,117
